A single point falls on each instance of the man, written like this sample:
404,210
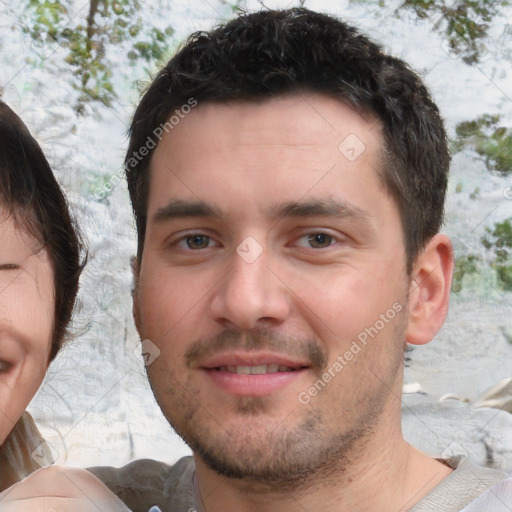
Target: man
288,183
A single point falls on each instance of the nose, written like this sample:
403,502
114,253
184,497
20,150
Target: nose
250,296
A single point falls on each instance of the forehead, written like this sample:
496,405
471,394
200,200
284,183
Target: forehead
15,233
302,120
279,150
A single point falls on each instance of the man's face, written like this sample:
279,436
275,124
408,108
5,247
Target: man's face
273,266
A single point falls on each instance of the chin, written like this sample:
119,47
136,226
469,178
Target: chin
272,454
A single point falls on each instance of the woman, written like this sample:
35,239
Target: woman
40,265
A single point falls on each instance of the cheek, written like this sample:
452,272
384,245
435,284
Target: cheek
38,312
29,311
170,300
31,344
16,394
352,310
26,322
339,301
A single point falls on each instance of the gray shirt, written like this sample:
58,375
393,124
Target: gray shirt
146,483
470,488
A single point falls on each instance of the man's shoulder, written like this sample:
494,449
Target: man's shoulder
498,499
469,488
145,482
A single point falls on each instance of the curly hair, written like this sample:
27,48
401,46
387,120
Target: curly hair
30,193
271,53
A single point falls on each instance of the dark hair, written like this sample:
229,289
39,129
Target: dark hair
30,193
270,53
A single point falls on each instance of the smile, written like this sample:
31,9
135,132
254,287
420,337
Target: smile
255,370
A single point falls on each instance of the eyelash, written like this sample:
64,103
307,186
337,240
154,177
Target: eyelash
184,239
316,233
9,266
5,366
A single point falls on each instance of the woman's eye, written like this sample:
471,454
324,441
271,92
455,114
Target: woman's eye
195,242
316,240
9,266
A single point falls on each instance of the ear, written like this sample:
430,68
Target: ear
134,262
429,293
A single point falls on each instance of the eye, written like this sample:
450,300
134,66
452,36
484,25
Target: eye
195,242
317,240
9,266
320,240
5,366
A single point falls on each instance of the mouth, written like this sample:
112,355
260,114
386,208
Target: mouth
262,369
252,374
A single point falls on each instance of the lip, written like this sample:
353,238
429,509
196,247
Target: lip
250,359
251,385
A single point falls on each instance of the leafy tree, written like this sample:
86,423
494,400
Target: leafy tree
464,23
108,22
464,265
498,241
490,140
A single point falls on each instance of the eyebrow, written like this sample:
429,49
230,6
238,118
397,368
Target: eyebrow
177,208
319,207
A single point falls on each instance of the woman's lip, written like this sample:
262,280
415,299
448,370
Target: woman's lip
251,385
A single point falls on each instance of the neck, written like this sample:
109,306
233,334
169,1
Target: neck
386,474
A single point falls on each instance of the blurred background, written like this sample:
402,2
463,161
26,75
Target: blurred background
73,70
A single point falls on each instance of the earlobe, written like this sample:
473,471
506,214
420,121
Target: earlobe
429,292
135,265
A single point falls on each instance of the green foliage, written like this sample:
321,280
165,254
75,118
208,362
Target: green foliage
498,241
464,265
236,8
488,139
48,16
464,23
109,22
154,48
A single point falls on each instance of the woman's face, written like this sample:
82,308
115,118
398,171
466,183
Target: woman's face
27,305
